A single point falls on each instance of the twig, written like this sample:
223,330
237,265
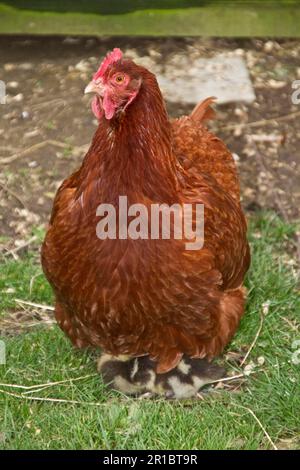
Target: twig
262,122
7,323
12,193
234,377
226,379
5,148
256,336
32,304
24,245
15,257
260,424
47,384
56,143
36,390
12,158
294,327
53,400
47,103
32,281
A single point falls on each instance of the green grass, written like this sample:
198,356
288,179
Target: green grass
108,420
174,18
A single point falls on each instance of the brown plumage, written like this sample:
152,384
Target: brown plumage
148,297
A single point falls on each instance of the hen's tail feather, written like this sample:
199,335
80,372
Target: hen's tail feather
203,111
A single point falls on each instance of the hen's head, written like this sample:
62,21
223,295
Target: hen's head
115,84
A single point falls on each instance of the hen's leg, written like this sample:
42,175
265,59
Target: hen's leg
135,376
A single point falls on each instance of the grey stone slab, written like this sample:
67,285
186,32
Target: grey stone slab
187,80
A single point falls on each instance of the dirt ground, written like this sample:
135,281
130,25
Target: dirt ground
46,124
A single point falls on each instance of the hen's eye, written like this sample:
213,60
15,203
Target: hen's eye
119,78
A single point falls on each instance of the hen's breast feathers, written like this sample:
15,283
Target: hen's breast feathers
210,177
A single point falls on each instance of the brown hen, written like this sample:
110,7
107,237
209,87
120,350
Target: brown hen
147,297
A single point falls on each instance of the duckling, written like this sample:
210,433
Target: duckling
136,376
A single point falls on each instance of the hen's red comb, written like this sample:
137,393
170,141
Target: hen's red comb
111,57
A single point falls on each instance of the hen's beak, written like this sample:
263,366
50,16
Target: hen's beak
94,87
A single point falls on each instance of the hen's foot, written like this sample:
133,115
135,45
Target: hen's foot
136,376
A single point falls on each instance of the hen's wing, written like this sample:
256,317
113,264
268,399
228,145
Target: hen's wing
206,159
201,152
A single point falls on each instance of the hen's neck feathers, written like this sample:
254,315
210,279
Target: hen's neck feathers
132,153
